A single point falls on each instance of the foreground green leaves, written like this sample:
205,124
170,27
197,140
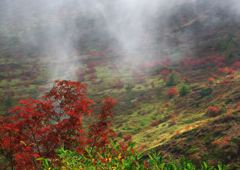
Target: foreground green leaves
114,159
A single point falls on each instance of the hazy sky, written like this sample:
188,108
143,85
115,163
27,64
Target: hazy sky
58,27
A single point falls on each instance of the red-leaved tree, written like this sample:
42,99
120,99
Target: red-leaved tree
37,128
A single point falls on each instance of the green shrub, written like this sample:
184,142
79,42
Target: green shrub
172,80
184,89
206,92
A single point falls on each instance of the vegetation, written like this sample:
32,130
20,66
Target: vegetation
37,128
182,102
49,133
172,92
172,80
128,160
148,111
184,90
206,92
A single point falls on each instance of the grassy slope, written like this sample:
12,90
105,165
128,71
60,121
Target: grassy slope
185,129
178,126
174,126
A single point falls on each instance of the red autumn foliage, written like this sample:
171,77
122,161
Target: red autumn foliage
101,132
210,61
211,80
223,141
172,92
226,70
213,110
37,128
146,165
236,64
217,60
164,62
97,53
165,72
225,82
150,64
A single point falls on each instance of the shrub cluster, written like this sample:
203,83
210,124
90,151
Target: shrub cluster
172,80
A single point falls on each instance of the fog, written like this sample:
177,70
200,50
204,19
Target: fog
63,30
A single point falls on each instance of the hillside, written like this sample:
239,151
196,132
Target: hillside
186,102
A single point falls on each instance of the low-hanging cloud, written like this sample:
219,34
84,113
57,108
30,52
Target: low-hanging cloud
62,30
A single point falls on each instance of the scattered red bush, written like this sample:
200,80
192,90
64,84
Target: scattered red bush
164,62
97,53
226,70
236,64
146,164
209,61
172,92
213,110
211,80
223,141
150,64
37,128
165,72
100,133
217,60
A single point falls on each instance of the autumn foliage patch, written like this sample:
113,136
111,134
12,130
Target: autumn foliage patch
213,110
172,92
36,128
226,70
